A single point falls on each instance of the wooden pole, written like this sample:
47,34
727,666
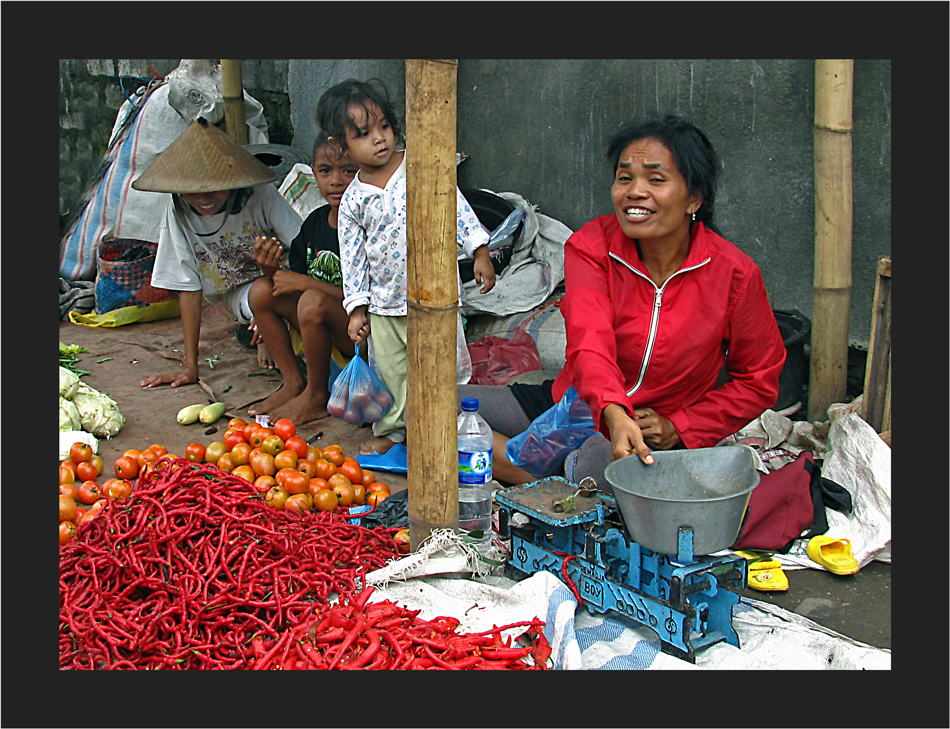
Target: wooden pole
235,121
432,291
828,377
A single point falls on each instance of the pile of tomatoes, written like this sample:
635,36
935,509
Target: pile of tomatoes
289,472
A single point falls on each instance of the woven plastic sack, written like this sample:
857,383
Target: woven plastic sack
124,275
358,396
542,448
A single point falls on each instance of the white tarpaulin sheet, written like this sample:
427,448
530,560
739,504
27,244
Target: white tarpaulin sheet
769,637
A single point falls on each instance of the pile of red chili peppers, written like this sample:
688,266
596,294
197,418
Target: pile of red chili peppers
195,571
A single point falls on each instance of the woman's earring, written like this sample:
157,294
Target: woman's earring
694,216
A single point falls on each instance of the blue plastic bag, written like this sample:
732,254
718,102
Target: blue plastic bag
358,396
542,448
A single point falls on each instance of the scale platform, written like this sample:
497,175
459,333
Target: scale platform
579,536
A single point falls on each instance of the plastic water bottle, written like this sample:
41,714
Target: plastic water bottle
475,471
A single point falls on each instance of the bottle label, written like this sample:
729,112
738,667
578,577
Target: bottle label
475,468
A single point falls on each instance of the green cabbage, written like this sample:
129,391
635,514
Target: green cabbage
68,383
68,415
98,412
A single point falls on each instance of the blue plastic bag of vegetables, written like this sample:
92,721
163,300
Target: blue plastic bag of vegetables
358,395
542,448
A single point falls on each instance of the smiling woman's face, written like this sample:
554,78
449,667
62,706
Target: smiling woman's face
207,203
650,195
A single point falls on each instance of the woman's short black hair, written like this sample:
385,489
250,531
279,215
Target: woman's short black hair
694,156
333,108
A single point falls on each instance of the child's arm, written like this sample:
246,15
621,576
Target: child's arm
190,304
267,253
484,270
286,282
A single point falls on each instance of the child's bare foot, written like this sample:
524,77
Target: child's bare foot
377,444
264,357
284,394
305,408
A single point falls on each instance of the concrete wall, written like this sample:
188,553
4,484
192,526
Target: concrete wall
540,128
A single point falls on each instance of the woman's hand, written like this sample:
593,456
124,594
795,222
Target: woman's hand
626,438
185,377
484,270
267,252
358,328
657,430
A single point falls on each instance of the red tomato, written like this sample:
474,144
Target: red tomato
241,453
344,492
264,483
263,464
324,468
316,484
93,510
126,466
99,464
284,428
302,503
118,489
226,463
293,481
86,471
352,470
67,508
276,497
232,438
401,538
285,459
80,452
375,498
325,500
244,471
335,455
67,474
272,444
368,477
89,492
378,486
195,452
66,531
237,424
69,489
298,445
359,494
158,448
305,466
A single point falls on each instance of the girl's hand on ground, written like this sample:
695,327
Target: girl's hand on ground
256,336
657,430
174,379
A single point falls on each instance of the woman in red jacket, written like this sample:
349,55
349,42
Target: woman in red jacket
657,306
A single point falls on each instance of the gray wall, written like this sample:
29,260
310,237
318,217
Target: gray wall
540,127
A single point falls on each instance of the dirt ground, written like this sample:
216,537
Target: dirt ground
119,358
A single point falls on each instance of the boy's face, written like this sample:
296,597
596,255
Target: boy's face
333,173
207,203
375,143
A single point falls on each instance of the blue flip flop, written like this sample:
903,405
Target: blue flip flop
393,460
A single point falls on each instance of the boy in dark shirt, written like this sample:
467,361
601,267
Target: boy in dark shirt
309,296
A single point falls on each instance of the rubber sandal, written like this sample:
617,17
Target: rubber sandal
833,554
767,575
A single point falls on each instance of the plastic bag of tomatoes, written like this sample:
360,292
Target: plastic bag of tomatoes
358,396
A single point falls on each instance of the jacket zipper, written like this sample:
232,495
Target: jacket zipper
654,316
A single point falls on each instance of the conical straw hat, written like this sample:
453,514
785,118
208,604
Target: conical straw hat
203,159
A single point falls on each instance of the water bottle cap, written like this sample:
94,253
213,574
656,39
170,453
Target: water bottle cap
469,404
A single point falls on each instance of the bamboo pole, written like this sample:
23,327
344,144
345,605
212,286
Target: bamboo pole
432,293
833,220
235,121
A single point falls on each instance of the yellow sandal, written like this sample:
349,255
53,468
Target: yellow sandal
767,575
833,554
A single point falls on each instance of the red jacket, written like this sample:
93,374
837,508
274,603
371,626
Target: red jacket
638,345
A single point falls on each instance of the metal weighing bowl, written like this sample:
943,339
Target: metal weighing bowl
706,489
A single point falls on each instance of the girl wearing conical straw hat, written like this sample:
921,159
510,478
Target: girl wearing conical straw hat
221,207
